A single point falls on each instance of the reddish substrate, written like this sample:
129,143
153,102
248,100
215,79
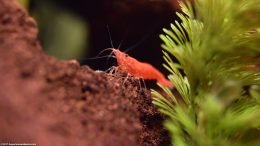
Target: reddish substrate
51,102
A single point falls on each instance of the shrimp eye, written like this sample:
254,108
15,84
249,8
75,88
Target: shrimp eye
126,55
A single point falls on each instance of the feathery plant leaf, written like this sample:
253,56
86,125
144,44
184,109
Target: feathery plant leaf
217,74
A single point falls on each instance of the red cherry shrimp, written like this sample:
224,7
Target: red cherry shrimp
135,68
142,70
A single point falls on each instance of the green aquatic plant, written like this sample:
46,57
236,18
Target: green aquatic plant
216,45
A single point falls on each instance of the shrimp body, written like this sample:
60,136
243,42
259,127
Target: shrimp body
129,65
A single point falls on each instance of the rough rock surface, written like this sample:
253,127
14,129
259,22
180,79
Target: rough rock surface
51,102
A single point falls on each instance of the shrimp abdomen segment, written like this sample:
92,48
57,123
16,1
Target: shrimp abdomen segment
147,71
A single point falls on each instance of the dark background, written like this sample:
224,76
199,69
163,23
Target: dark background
135,23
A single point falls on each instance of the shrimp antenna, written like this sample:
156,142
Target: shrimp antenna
104,51
121,42
110,55
110,38
137,44
93,58
141,41
99,57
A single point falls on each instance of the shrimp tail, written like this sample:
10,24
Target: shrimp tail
165,82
